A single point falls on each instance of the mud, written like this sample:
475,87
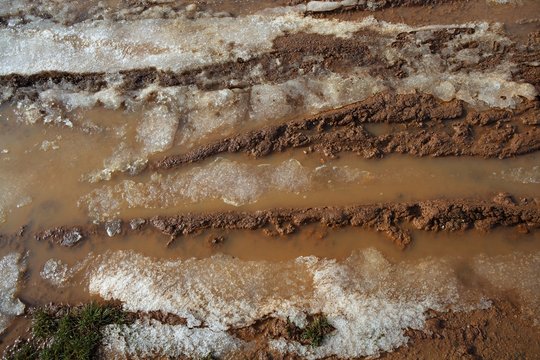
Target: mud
293,55
274,328
456,79
497,332
420,125
393,219
437,215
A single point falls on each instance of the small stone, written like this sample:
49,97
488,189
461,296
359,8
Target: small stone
137,223
71,238
113,227
522,229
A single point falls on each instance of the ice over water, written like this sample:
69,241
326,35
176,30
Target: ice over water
369,300
10,305
235,183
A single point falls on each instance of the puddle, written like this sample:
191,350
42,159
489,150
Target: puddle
60,160
77,147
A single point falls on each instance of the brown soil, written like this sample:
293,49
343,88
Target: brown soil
419,125
297,54
393,219
500,332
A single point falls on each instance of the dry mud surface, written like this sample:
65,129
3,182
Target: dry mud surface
224,171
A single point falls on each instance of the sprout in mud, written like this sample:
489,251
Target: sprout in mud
313,333
316,330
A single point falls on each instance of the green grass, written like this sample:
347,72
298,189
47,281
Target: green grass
68,334
315,331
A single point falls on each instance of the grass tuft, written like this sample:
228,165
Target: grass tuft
67,334
315,331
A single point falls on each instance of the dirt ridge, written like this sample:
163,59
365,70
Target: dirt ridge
421,126
393,219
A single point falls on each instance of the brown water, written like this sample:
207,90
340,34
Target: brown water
44,172
43,183
254,245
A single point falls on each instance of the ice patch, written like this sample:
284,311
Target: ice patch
198,288
211,111
157,129
367,299
232,182
144,339
56,272
12,194
522,175
10,306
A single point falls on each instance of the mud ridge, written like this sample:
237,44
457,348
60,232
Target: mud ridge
291,56
420,126
393,219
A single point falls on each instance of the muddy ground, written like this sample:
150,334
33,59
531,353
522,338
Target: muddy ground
392,219
418,121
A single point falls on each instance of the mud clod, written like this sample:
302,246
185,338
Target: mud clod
62,235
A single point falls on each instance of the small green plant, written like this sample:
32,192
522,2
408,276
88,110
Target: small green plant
25,351
315,331
68,333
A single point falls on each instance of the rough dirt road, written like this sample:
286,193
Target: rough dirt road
223,174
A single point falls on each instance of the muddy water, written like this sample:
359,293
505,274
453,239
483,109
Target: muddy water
245,245
46,180
44,173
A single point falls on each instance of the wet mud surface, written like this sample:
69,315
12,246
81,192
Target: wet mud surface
392,219
329,80
418,125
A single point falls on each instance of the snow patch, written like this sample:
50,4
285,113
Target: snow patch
10,306
144,339
368,300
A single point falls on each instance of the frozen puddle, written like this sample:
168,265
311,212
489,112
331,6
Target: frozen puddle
304,182
233,182
367,299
